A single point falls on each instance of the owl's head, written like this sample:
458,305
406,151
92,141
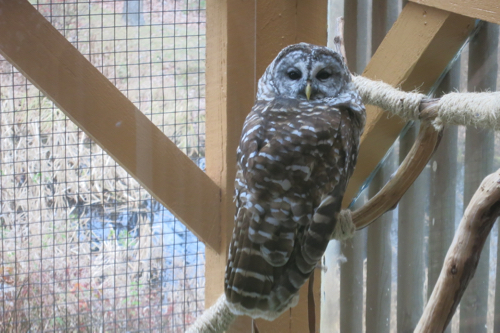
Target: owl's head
304,71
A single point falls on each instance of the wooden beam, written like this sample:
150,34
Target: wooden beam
230,90
281,23
413,55
306,21
487,10
243,37
90,100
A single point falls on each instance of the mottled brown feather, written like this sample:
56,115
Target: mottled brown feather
294,161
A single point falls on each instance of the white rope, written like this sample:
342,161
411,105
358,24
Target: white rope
345,228
468,109
215,319
400,103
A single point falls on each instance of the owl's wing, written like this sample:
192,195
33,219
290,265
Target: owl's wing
338,168
281,148
289,187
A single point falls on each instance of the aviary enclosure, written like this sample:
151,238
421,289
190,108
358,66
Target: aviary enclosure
93,193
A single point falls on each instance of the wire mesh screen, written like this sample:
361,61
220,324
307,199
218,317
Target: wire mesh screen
83,246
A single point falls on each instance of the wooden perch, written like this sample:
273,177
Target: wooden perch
388,197
463,256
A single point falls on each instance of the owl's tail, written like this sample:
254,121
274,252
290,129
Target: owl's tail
256,288
250,278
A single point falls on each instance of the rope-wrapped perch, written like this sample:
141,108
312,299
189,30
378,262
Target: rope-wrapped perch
400,103
468,109
345,227
215,319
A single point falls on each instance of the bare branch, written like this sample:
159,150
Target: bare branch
388,197
428,109
463,256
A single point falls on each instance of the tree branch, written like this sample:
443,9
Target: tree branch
463,256
388,197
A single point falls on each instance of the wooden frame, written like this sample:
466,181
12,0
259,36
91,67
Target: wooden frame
243,37
487,10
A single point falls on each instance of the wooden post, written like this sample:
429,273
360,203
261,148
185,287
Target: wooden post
230,84
243,37
379,22
351,32
363,36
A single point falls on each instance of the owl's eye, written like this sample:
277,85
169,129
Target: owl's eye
294,75
323,75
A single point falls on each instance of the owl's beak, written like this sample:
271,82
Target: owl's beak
308,90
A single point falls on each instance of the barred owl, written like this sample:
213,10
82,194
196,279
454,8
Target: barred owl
297,151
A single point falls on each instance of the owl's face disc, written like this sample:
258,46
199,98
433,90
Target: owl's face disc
300,65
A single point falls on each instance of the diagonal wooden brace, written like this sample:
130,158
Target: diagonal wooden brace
90,100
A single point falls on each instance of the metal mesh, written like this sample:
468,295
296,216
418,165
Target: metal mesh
83,246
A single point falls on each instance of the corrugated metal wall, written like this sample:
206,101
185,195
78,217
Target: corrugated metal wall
381,279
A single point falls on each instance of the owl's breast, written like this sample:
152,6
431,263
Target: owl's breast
300,150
